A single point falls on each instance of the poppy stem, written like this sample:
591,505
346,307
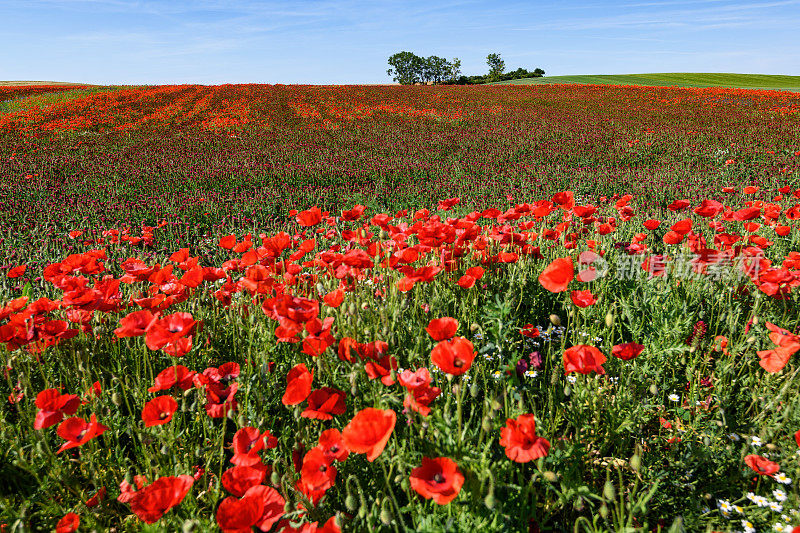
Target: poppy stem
391,495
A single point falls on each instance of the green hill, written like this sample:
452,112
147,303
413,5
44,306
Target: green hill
675,79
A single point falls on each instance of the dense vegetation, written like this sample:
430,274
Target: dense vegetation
389,308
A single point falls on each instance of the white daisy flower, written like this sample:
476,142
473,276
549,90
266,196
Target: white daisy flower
775,506
572,379
779,495
755,441
734,437
780,477
760,501
674,397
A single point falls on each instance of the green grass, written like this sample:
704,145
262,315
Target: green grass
676,79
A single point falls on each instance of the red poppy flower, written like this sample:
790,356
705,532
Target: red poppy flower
797,437
238,479
557,275
454,356
382,369
529,330
298,385
652,224
419,399
627,351
346,348
272,504
169,329
438,478
520,441
332,445
151,502
171,376
77,432
369,431
309,217
334,299
16,272
682,227
68,523
159,411
98,497
441,329
53,406
583,359
247,442
583,298
236,515
761,465
220,400
317,473
134,324
354,213
412,380
324,403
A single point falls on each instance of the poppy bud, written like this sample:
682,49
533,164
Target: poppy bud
474,390
604,511
351,309
489,501
609,492
364,306
751,339
486,424
351,503
609,319
115,399
274,478
567,390
474,327
384,235
578,505
653,389
550,476
636,462
771,447
555,320
241,421
386,512
189,526
320,289
165,450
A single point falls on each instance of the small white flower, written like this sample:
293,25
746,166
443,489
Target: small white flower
734,437
572,379
777,526
531,373
780,477
755,441
748,526
775,506
725,506
738,509
760,501
794,512
674,397
751,496
497,374
466,377
779,495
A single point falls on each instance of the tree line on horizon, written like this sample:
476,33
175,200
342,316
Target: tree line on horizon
409,69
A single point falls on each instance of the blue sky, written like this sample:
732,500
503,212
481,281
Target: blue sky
348,41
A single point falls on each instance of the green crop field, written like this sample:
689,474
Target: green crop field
674,79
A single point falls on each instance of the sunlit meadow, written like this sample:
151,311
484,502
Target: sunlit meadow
294,308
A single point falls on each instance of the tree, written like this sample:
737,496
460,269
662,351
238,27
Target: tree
407,68
438,69
496,66
454,71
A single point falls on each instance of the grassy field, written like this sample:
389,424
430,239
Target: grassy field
381,309
674,79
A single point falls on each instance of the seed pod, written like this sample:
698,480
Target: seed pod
555,320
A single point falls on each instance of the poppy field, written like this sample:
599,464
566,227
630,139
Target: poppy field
307,308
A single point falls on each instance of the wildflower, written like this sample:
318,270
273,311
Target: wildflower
68,523
584,359
572,379
627,351
520,441
151,502
439,479
673,397
734,437
748,526
298,385
776,506
453,356
324,403
779,495
369,431
760,465
442,329
755,441
159,411
557,275
782,478
77,432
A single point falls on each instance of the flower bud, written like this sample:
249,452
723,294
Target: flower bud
115,399
636,462
609,319
609,492
555,320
